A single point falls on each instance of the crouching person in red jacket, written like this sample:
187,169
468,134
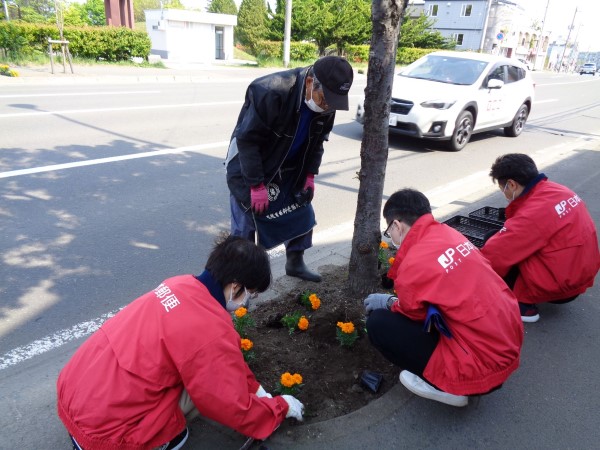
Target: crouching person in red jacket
454,327
548,248
169,354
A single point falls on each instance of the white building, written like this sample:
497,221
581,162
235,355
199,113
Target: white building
190,36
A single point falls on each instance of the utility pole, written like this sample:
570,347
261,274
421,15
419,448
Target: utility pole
567,41
6,10
540,40
287,33
485,24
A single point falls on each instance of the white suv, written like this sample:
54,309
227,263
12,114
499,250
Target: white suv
589,68
451,95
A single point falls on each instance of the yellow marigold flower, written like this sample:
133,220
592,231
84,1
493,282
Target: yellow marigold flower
383,244
246,344
297,378
315,302
391,260
303,323
287,380
241,312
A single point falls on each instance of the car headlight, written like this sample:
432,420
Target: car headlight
438,104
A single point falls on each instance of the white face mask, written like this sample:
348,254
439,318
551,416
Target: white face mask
231,305
504,191
397,245
311,103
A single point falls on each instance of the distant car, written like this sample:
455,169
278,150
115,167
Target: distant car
449,96
588,68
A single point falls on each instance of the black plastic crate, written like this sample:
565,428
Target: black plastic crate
490,214
475,230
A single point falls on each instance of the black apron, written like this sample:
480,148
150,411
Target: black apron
288,216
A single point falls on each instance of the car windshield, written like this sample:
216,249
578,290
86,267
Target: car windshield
445,69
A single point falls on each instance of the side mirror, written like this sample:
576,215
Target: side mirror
495,84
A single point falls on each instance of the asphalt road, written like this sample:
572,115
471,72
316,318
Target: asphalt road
108,189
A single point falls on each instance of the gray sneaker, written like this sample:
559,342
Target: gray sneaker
420,387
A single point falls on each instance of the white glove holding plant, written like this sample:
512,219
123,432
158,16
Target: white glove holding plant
296,408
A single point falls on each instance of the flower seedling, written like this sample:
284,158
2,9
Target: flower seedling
295,321
246,346
310,300
242,321
384,256
289,384
346,333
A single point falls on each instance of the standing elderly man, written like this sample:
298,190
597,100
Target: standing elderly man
547,250
275,152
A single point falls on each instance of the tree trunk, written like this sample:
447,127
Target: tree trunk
387,17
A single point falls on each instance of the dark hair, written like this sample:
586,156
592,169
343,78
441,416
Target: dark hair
514,166
406,205
235,259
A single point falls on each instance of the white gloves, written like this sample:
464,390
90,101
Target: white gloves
262,393
296,408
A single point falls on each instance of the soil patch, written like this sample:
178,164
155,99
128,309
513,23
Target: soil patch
331,373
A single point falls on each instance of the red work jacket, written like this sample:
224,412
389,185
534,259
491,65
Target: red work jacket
122,387
437,265
550,235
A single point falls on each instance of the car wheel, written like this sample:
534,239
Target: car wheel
462,131
518,123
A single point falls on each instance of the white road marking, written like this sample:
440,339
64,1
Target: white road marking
75,94
124,108
91,162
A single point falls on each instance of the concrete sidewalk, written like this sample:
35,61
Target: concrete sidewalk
551,402
122,74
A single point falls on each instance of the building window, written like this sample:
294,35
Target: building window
433,10
466,10
458,38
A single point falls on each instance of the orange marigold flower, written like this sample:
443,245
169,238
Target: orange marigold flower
315,301
383,244
297,378
246,344
287,380
303,323
346,327
241,312
391,260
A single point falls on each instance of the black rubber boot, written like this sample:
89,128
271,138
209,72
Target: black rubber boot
295,267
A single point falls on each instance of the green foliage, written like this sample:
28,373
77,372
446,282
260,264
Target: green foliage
417,33
405,56
300,51
222,7
252,23
89,13
140,5
106,43
290,321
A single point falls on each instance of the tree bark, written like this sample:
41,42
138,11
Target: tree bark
386,17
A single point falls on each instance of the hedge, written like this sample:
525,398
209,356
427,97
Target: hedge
299,51
404,56
107,43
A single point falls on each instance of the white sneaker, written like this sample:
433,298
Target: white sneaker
420,387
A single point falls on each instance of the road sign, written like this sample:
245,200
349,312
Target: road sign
500,36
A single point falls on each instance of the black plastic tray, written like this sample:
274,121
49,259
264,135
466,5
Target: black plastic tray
475,230
490,214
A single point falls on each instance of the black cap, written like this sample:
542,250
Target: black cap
335,75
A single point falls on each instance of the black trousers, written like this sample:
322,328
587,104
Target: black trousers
511,278
401,341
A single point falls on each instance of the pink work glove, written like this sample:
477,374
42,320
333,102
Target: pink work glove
310,184
259,199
